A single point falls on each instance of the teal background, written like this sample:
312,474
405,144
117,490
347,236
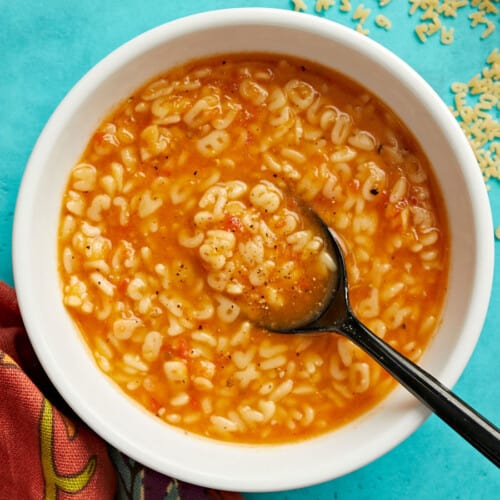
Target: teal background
47,46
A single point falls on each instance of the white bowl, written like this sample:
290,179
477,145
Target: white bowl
59,345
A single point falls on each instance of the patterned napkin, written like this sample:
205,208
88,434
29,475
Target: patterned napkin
46,452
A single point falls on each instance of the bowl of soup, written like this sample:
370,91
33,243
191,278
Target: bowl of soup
161,217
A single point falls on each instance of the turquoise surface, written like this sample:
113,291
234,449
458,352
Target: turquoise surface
46,47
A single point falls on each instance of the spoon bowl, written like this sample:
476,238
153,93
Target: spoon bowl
335,315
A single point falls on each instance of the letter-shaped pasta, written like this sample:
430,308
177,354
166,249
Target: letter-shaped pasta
202,111
416,172
68,259
370,306
253,92
84,177
227,310
293,155
122,204
260,274
284,222
310,185
156,141
218,280
215,198
341,129
299,239
217,247
284,117
137,288
375,182
68,227
100,203
213,143
75,203
363,140
124,328
235,189
343,154
313,114
252,251
277,100
148,204
221,123
359,377
176,372
328,116
302,94
152,345
266,196
157,89
190,241
271,163
129,157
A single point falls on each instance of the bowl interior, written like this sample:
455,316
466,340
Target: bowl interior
60,347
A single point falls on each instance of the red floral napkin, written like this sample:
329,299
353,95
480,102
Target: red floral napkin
46,452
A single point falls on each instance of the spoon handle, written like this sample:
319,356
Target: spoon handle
481,433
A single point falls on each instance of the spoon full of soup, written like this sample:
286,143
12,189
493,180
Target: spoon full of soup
329,311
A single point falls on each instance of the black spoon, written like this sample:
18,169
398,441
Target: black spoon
336,315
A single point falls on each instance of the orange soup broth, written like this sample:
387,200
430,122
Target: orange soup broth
230,380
